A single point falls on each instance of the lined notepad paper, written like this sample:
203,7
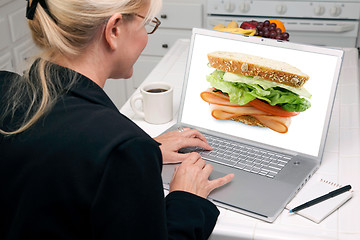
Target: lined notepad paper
314,189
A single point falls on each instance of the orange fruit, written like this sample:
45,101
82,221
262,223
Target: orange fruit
279,24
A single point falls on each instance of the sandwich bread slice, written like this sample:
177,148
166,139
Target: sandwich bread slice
249,65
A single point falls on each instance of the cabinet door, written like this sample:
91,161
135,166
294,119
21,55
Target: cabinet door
5,40
142,68
23,54
6,62
181,15
3,2
116,90
163,39
18,24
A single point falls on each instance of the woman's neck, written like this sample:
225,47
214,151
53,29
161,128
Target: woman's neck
92,64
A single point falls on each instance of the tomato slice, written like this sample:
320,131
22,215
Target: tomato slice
274,110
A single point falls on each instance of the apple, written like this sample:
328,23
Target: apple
249,25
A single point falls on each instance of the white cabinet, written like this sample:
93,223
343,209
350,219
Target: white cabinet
180,15
163,39
6,62
18,26
24,53
116,90
16,44
4,28
3,2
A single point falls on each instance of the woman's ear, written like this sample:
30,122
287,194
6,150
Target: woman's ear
112,30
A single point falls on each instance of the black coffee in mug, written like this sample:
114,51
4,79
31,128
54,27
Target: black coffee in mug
156,90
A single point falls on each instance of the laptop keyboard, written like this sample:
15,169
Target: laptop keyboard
243,157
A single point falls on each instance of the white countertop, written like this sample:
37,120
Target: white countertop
341,161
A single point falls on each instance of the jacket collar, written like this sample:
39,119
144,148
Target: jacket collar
89,90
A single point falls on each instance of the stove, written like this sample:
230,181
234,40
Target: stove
329,23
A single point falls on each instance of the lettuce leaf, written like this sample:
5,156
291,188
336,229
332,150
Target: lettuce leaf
237,94
242,93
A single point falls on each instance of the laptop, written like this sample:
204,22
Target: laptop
256,192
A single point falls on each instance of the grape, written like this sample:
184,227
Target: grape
266,34
273,25
269,30
260,26
285,36
272,34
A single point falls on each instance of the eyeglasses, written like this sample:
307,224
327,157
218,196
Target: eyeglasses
150,25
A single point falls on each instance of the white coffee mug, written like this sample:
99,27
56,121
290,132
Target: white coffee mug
157,102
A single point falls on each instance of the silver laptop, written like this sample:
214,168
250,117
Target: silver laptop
269,167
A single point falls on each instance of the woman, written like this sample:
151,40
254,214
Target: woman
71,165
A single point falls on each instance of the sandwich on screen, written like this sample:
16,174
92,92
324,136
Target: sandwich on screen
255,91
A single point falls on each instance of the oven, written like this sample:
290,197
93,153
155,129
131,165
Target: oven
319,22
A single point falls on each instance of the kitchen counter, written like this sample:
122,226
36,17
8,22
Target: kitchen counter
341,161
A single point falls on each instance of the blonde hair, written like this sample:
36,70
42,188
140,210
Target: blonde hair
72,26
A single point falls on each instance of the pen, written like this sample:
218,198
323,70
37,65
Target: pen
322,198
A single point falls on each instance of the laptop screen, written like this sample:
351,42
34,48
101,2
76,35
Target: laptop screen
304,132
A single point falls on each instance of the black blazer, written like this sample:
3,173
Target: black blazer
85,171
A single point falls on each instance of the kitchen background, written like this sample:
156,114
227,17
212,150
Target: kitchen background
320,22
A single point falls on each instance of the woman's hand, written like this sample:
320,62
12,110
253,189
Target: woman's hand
172,141
193,176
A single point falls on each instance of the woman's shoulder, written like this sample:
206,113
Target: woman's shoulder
112,122
6,78
6,75
96,125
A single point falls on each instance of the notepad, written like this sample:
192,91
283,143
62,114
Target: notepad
316,188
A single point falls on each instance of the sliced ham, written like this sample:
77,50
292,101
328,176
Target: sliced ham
221,112
219,98
276,123
222,108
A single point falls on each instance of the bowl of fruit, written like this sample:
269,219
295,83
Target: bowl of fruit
272,28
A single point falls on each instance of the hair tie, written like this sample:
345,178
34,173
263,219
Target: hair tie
31,9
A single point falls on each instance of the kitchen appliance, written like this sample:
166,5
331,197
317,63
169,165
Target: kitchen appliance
328,23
